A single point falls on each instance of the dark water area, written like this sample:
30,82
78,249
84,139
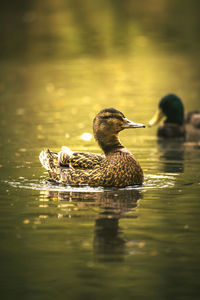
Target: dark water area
61,62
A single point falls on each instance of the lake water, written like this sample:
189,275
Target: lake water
62,62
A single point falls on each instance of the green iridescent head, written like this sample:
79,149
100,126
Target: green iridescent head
171,108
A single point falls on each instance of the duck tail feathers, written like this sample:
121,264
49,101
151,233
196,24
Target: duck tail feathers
49,160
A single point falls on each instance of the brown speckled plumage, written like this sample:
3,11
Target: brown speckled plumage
116,168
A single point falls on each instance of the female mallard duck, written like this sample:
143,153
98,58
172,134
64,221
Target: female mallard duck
176,124
116,168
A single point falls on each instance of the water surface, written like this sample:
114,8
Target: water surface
61,66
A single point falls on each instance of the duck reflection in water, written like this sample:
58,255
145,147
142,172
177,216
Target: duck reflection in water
171,156
109,244
108,241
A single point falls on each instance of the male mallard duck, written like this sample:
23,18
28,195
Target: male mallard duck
116,168
176,124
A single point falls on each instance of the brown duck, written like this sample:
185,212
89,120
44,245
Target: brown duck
116,168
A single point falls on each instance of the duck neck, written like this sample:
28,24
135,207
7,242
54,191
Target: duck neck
178,120
108,143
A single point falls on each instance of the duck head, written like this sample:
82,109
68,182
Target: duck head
171,108
106,126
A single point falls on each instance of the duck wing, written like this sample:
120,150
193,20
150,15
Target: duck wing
192,126
80,160
117,169
193,118
49,161
76,167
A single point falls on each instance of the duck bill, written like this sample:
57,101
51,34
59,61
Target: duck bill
156,118
130,124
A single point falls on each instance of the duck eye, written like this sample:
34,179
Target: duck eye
119,118
113,117
106,117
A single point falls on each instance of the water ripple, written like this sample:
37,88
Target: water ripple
151,181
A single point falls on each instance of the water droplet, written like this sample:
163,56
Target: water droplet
40,137
26,221
20,111
50,88
22,150
43,216
61,92
67,135
39,127
37,222
141,244
86,136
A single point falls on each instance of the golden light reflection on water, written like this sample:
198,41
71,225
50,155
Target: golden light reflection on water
67,60
133,85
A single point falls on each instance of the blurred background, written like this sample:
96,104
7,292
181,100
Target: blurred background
64,60
61,61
